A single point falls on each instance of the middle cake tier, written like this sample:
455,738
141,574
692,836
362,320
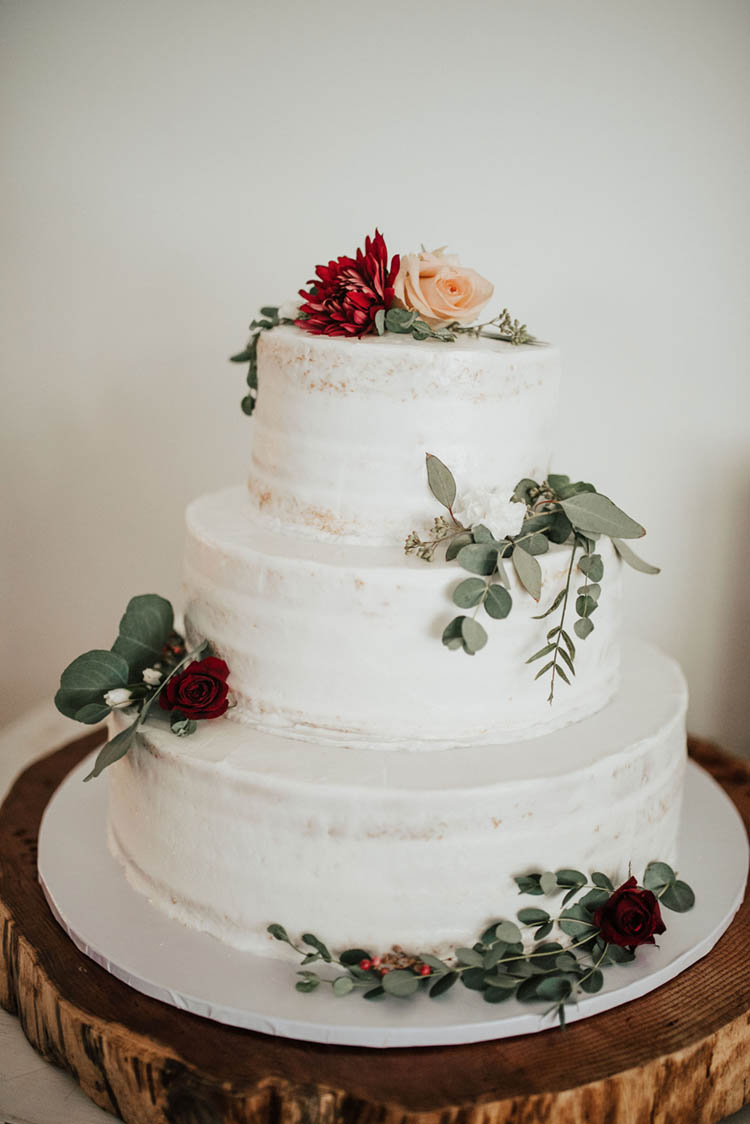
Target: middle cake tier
342,644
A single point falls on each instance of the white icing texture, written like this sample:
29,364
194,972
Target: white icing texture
231,829
342,643
341,428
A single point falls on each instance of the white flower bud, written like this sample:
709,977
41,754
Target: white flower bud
289,310
118,697
485,505
151,676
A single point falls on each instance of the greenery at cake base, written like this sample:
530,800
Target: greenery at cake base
514,959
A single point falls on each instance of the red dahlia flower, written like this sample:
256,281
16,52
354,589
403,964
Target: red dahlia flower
347,293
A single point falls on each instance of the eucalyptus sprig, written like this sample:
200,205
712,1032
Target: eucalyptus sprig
510,958
131,675
407,321
269,318
558,511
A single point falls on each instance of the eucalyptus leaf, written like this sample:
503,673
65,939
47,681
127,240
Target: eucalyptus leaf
144,630
482,534
92,713
590,589
594,898
592,566
443,984
496,994
311,940
569,877
658,875
545,651
498,602
529,572
508,931
523,489
470,957
593,513
440,479
401,983
678,896
113,751
374,993
342,985
353,956
532,916
592,982
380,321
457,542
180,725
632,558
473,979
529,884
585,605
452,637
554,988
537,544
469,593
575,921
278,932
548,882
87,678
474,635
602,880
543,931
583,627
478,558
437,966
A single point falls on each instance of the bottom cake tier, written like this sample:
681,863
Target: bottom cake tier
231,829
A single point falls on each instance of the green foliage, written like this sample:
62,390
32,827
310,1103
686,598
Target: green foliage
85,681
144,630
440,479
500,966
269,318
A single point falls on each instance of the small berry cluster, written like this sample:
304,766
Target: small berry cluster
384,965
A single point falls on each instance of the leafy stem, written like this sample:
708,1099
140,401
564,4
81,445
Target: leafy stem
561,634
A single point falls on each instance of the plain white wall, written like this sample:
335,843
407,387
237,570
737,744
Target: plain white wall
170,165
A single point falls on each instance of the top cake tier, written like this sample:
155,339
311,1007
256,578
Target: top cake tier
342,427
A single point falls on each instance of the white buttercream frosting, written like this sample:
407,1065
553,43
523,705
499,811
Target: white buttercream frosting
231,829
342,427
341,643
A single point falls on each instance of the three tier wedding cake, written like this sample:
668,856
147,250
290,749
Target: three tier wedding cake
387,743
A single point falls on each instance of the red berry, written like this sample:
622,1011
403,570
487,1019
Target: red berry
365,964
376,961
384,970
423,969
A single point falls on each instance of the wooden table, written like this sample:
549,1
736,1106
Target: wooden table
681,1054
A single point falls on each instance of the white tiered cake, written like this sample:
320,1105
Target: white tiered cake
369,784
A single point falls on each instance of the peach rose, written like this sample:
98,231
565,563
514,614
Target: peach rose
439,288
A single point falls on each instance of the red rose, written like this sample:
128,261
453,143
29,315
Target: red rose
630,917
347,293
200,691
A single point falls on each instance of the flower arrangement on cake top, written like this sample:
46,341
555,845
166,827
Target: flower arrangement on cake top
425,294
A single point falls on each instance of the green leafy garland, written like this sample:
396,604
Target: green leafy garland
145,656
401,321
501,964
557,511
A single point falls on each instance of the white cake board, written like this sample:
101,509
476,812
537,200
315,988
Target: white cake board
119,929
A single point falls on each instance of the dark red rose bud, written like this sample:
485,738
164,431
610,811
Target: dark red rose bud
346,294
200,691
630,917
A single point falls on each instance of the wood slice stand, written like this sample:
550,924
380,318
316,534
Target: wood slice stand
680,1054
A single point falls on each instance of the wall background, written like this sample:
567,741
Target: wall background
172,165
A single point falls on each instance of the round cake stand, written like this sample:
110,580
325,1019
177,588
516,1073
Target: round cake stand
677,1054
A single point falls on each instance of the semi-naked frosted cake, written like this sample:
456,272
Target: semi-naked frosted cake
368,781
